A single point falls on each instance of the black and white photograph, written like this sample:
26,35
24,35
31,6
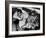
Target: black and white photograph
26,19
